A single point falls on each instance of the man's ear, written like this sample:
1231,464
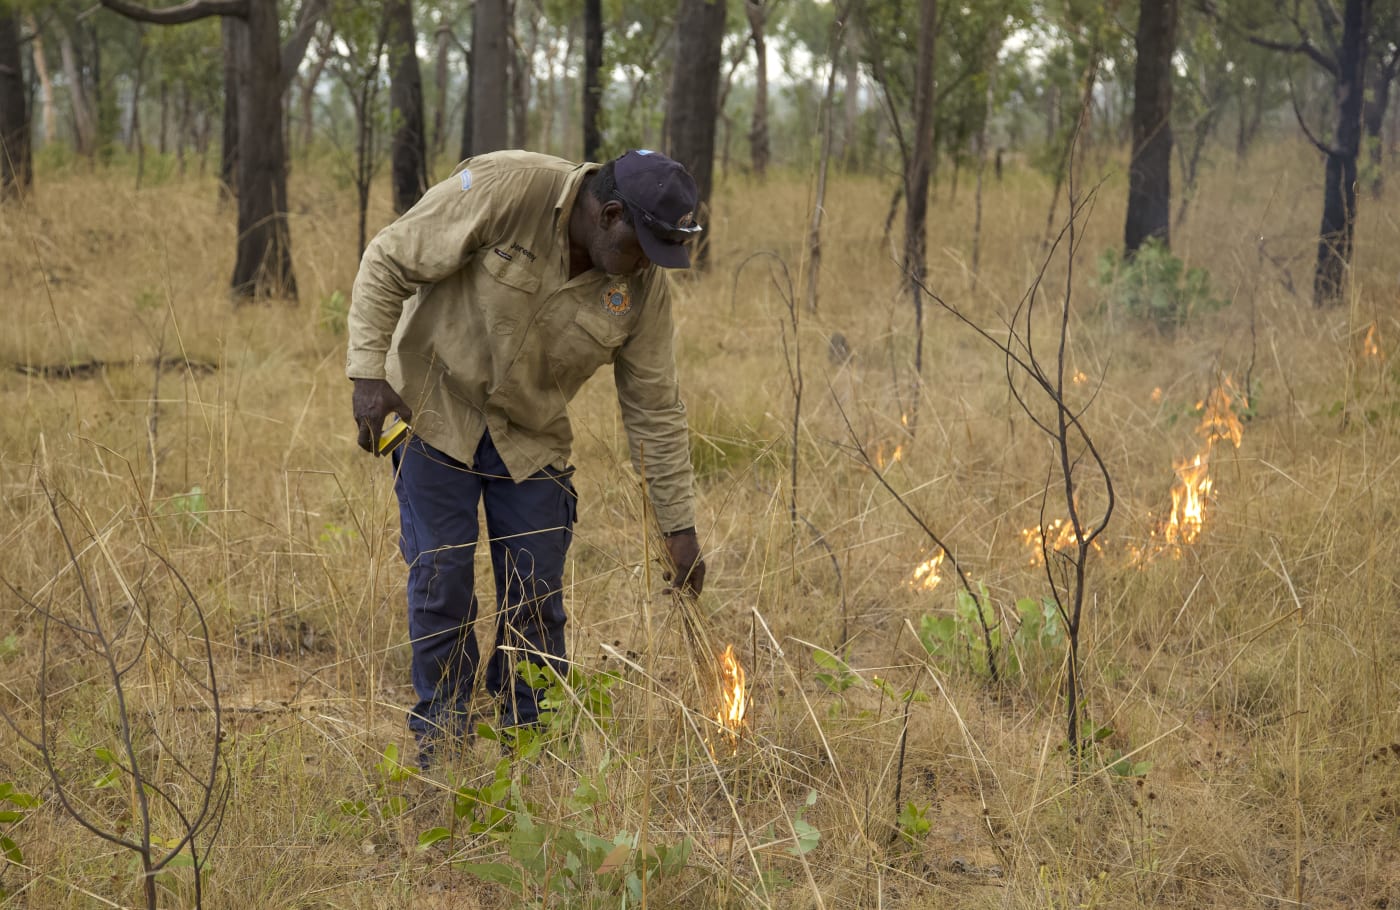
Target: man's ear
610,213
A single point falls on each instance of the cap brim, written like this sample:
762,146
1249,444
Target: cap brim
664,253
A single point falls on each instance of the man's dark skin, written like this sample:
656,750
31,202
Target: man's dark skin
599,237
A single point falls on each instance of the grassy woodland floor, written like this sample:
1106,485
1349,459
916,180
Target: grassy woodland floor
1243,686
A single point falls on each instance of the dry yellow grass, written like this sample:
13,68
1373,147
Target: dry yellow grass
1255,672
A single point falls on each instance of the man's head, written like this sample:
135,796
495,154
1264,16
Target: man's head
645,210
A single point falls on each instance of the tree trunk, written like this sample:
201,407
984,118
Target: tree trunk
757,11
163,130
443,40
47,112
16,168
521,83
408,152
1339,192
307,100
694,101
592,85
1373,117
1150,171
918,167
850,103
490,65
824,124
235,48
133,129
263,267
84,124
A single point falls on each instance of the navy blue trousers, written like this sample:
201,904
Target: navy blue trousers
530,524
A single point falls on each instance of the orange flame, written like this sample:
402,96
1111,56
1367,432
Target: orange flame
881,461
1189,500
1193,483
1371,346
1059,535
733,695
1218,420
926,577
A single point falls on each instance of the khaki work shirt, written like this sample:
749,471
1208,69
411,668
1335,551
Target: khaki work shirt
465,305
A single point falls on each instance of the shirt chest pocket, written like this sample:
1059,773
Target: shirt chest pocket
510,272
589,341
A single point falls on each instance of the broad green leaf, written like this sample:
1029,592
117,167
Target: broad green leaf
432,836
499,873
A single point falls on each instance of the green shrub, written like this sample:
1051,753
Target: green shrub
1155,286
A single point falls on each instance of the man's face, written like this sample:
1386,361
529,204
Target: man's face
614,247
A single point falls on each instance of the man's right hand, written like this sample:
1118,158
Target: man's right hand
374,400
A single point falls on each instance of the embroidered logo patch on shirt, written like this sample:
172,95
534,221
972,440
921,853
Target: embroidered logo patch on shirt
617,299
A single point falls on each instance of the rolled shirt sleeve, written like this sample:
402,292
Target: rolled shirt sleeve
648,393
425,245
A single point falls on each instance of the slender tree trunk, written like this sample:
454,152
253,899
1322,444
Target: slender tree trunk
137,139
47,112
84,123
757,11
16,167
263,266
184,130
133,129
235,50
824,124
850,103
1149,173
443,42
917,172
163,129
490,65
1339,192
522,84
468,111
592,85
306,101
694,101
408,151
1373,117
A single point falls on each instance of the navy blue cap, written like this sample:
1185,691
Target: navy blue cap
661,197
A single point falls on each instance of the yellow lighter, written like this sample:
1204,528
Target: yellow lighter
394,434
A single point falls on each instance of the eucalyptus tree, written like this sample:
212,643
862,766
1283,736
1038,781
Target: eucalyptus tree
693,107
640,45
758,13
592,79
361,38
1385,66
490,75
16,168
1150,168
408,148
264,69
931,69
1336,40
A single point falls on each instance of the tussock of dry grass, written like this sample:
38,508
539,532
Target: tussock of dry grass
1257,664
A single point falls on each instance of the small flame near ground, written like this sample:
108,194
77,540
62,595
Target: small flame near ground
733,695
1219,423
1371,346
897,455
1058,535
926,577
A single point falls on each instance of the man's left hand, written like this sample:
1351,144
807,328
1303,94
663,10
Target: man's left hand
688,575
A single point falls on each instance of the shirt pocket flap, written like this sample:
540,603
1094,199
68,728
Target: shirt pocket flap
608,330
510,271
